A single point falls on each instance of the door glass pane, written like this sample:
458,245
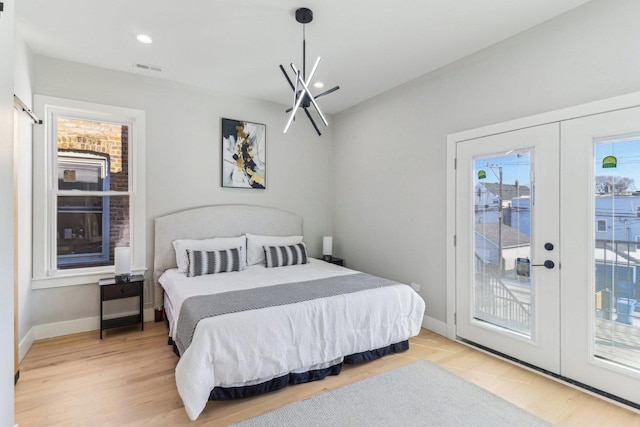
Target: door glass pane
502,221
617,252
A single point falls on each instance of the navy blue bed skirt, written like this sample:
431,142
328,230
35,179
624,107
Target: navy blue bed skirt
232,393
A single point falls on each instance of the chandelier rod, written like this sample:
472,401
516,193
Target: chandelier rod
304,52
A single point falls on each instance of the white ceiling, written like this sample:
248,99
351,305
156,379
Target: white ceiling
235,46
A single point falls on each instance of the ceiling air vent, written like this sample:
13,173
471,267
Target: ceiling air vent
147,67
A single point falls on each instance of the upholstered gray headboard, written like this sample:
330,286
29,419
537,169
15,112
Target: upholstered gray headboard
215,221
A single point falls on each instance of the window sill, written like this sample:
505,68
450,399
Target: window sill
70,278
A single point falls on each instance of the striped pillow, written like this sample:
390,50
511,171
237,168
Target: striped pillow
211,262
282,256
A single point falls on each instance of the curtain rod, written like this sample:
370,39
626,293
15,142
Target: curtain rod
17,102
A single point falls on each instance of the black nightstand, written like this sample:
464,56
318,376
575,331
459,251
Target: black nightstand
110,290
336,261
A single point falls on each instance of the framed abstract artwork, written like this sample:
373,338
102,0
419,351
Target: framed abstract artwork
244,154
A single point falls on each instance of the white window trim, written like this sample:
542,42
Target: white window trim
44,273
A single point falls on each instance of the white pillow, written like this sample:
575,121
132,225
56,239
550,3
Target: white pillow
256,243
215,244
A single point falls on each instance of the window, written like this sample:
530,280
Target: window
92,158
601,225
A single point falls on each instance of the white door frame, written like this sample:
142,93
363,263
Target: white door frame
597,107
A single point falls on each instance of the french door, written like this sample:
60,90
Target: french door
507,299
600,272
548,247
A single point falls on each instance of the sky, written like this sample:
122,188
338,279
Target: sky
628,155
515,166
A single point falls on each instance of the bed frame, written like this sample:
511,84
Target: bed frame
215,221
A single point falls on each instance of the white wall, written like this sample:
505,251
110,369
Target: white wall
6,215
23,70
23,82
183,160
390,204
383,182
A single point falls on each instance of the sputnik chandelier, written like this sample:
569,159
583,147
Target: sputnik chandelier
302,96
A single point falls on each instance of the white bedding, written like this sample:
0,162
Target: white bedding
178,287
259,345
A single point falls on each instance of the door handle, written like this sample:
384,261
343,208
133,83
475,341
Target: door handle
547,264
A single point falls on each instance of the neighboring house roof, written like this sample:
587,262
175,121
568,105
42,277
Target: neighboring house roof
511,237
509,191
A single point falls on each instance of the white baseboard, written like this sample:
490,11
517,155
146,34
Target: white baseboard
50,330
87,324
435,325
25,344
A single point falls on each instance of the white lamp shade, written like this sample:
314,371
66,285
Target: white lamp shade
123,261
327,245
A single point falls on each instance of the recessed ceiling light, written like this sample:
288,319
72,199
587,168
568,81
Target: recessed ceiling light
144,39
318,85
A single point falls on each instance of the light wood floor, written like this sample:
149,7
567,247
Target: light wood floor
127,380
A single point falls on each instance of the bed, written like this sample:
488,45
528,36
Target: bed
257,328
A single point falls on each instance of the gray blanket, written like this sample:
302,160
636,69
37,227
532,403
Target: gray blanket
201,307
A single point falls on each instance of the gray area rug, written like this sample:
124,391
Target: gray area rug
419,394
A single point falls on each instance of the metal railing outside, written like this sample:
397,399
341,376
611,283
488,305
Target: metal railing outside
501,302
